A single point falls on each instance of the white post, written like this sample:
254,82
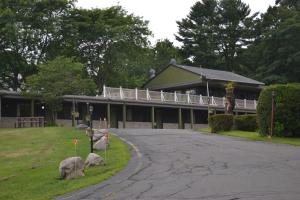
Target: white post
121,93
188,98
162,96
104,91
213,102
175,97
255,104
148,95
224,101
201,100
245,103
136,94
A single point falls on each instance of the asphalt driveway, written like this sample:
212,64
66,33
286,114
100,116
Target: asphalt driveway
182,164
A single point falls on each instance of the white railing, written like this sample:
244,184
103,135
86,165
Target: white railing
168,97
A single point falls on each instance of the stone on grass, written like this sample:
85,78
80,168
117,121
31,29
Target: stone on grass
93,160
97,136
71,168
101,144
82,126
100,131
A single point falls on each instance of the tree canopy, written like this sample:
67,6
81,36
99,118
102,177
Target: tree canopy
56,78
215,33
114,49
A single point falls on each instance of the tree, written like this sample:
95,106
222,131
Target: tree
289,3
30,33
56,78
275,55
215,33
108,41
164,51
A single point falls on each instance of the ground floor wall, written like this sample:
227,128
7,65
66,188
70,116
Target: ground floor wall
105,115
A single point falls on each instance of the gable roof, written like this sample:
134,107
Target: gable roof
212,74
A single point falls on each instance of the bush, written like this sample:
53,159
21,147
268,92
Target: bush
245,122
287,110
220,122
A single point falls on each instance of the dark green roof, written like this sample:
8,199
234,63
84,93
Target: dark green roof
212,74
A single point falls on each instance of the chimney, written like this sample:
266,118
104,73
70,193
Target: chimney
173,61
152,73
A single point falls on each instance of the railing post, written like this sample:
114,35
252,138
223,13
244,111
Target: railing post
104,91
201,100
188,98
245,103
136,94
175,97
148,95
121,93
255,104
213,102
223,101
162,96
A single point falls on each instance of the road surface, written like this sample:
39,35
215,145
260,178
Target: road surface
188,165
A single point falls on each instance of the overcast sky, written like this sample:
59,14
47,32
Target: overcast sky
163,14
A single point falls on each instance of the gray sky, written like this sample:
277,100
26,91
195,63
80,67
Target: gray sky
163,14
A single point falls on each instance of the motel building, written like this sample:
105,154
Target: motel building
177,97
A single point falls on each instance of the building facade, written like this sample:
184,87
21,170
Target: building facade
177,97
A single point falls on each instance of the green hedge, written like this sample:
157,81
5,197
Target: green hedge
220,122
287,117
245,122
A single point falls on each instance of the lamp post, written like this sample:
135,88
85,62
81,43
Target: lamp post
91,108
272,114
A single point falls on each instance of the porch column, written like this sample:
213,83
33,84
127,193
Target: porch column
18,110
124,115
0,108
108,115
32,107
179,119
73,113
152,117
192,118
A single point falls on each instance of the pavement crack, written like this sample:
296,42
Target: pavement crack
145,191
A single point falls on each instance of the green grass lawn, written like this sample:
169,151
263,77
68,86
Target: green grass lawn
30,158
257,137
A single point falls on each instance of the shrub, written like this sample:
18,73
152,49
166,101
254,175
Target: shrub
220,122
245,122
287,110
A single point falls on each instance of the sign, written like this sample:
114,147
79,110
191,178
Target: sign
75,141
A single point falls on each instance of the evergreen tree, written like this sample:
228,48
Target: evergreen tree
215,33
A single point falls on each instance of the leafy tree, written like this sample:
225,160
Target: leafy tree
30,33
215,33
164,51
108,41
274,57
56,78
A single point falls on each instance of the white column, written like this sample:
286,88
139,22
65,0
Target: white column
136,94
162,96
175,97
201,100
255,104
188,98
245,103
148,95
121,93
104,91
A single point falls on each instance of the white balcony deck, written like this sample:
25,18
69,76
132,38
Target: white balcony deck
173,98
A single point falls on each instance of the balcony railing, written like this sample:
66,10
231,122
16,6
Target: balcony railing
168,97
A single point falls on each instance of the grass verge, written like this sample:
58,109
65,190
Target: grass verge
30,158
257,137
